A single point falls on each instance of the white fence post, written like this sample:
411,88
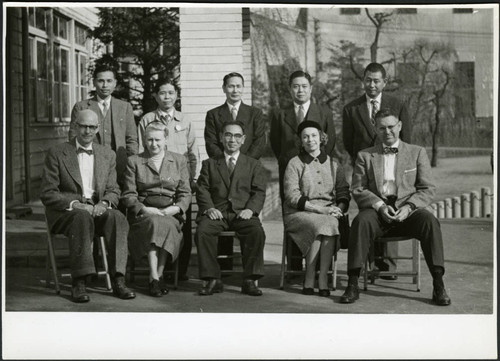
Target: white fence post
448,209
457,211
474,207
486,202
465,205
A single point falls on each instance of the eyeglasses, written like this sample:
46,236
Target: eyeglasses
236,136
90,127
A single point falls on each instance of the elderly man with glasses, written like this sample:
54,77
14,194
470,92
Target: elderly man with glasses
80,195
231,194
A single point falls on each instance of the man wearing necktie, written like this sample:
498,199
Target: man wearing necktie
80,195
358,131
284,139
117,129
234,109
392,185
231,194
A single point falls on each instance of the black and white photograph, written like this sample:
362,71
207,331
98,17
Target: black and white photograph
249,181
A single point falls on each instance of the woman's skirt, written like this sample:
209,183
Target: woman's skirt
164,232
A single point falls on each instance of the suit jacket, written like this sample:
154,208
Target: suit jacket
246,189
142,179
357,129
123,125
253,120
413,176
286,143
62,181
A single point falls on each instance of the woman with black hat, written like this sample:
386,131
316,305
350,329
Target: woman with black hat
316,195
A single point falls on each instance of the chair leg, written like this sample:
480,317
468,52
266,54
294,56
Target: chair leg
176,273
105,262
334,277
52,257
283,263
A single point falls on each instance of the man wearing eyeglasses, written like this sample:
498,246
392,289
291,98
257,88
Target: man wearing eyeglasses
80,195
117,128
231,194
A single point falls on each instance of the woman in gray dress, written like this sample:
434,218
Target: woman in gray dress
157,195
316,195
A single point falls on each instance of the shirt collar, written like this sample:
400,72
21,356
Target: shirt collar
378,98
237,106
78,145
395,145
107,100
305,106
235,156
307,158
171,112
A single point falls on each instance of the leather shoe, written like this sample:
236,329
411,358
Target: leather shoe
440,297
214,285
120,290
249,288
324,293
79,292
154,288
163,286
389,278
308,291
351,294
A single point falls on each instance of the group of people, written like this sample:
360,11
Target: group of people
134,185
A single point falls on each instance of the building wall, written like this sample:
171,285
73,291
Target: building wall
211,45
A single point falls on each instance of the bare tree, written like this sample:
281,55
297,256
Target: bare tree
378,19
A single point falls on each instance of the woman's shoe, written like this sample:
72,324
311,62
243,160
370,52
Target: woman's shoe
324,293
163,286
154,288
308,291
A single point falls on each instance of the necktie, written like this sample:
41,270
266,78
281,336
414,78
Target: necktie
230,165
234,113
81,150
165,119
390,150
300,114
374,110
104,109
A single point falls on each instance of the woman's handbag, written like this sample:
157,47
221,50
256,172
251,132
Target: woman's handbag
344,230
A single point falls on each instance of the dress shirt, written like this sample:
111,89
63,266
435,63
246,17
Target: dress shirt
389,186
86,165
237,106
235,156
169,113
378,99
101,102
305,106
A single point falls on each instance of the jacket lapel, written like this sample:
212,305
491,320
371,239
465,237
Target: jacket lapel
291,119
313,114
224,172
365,117
243,113
166,165
378,168
99,171
402,159
71,163
224,114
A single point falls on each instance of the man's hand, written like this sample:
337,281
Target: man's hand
85,207
170,210
336,211
214,214
402,213
99,209
245,214
387,213
151,211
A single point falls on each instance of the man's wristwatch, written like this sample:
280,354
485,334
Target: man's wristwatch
412,206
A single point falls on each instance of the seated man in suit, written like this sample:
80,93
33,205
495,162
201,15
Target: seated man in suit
80,193
358,130
231,194
392,186
234,109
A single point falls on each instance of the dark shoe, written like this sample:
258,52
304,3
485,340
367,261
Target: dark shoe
351,294
79,292
389,278
324,293
120,290
154,288
249,288
308,291
215,285
163,286
440,297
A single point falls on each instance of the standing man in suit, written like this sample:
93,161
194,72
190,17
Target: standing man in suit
117,128
80,193
358,129
284,139
231,194
235,110
392,185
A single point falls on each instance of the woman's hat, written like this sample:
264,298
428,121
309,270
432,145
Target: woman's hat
308,124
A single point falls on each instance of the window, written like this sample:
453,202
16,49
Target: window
408,73
39,82
61,83
80,35
464,89
38,18
60,27
350,11
463,10
407,10
81,89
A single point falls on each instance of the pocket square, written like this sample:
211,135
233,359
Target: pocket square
410,170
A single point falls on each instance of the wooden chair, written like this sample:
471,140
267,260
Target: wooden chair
51,261
415,258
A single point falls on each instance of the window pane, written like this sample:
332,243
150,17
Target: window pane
407,10
65,100
31,12
40,18
350,11
63,28
80,35
64,66
57,64
57,111
55,26
41,49
42,108
83,70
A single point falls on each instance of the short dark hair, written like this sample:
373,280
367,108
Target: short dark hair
299,74
232,75
232,122
385,112
101,68
374,68
165,81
